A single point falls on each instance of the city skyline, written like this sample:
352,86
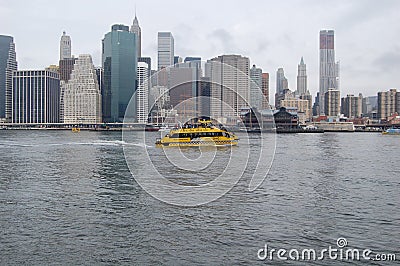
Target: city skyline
367,64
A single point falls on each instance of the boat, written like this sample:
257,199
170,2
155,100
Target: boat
76,129
201,133
150,127
165,128
392,131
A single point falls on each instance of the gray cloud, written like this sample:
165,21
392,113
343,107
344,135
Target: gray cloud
389,61
222,35
270,33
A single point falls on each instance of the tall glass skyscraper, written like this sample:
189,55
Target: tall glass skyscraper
119,59
165,50
328,68
8,64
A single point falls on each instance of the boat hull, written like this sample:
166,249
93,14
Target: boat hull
198,144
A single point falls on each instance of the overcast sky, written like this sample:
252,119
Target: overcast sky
272,34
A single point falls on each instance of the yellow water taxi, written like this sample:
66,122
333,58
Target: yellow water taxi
201,133
76,129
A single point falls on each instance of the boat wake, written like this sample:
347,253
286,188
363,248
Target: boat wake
116,143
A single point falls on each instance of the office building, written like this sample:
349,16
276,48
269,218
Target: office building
146,60
178,60
307,96
369,104
230,85
135,28
302,107
301,78
194,62
281,81
265,91
256,95
82,96
387,103
332,103
35,96
351,106
142,92
204,94
165,50
328,68
65,46
192,59
119,63
282,87
8,64
182,85
316,108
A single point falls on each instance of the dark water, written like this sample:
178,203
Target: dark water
68,198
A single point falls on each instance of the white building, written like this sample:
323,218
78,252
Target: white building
8,64
65,46
256,95
82,96
230,85
165,50
142,92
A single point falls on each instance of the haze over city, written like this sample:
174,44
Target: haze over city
272,34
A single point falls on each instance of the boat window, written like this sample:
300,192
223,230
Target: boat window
174,136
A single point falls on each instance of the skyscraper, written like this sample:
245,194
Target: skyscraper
82,98
230,85
119,66
265,90
282,87
204,95
301,78
351,106
332,102
281,81
65,46
142,92
8,64
256,96
328,68
135,28
387,103
35,96
165,50
182,85
66,65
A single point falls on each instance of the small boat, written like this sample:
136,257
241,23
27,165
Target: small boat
150,127
391,131
201,133
165,128
76,129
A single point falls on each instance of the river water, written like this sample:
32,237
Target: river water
70,198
